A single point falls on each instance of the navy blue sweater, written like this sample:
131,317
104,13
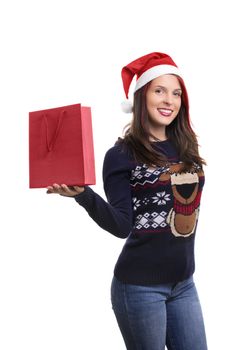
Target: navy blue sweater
156,209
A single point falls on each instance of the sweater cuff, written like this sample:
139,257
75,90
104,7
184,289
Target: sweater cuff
83,196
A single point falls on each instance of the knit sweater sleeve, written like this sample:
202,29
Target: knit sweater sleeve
115,214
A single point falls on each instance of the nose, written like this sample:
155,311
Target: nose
168,99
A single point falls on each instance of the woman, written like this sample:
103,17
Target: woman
153,180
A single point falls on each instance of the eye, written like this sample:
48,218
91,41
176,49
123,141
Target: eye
158,90
178,93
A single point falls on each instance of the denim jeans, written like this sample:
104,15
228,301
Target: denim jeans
150,317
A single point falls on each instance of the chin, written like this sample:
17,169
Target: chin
163,122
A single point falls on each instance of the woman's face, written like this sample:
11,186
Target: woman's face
163,100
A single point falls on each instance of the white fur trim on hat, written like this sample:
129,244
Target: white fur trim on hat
155,72
127,106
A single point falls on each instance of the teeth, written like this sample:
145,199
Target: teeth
165,110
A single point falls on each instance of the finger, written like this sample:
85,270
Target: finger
50,189
69,190
57,188
66,189
78,189
74,189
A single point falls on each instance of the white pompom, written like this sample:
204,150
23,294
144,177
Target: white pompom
127,106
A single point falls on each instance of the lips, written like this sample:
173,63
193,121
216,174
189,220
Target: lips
165,112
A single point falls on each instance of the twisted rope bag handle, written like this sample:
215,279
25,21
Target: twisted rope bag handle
51,144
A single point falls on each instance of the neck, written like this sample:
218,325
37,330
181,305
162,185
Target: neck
158,137
159,133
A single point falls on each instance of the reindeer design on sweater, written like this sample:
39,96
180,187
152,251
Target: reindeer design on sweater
183,217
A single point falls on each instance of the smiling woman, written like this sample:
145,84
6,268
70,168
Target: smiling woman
153,180
152,121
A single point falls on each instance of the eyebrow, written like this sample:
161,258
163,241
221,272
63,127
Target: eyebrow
166,88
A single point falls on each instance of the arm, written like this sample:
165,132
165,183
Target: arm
114,216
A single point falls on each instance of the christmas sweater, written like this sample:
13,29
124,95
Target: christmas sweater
156,209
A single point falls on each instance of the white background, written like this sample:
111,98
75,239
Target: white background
56,264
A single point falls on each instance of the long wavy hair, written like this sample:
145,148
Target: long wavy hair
137,136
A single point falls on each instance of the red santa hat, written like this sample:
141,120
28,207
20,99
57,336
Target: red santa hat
147,68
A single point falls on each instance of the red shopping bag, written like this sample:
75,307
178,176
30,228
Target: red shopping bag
61,147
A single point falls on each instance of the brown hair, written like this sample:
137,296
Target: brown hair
137,136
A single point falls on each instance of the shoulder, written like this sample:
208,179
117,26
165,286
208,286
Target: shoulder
118,158
118,153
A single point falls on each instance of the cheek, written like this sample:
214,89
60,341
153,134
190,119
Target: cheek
178,104
151,108
152,101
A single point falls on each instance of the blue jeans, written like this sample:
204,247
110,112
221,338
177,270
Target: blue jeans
150,317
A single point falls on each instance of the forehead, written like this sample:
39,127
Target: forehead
167,80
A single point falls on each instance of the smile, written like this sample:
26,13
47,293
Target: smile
165,112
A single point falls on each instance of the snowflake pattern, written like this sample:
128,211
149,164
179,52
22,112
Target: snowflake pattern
146,201
136,203
161,198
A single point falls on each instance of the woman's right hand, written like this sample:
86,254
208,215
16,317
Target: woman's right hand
64,190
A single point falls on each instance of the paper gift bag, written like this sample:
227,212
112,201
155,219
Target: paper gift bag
61,147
